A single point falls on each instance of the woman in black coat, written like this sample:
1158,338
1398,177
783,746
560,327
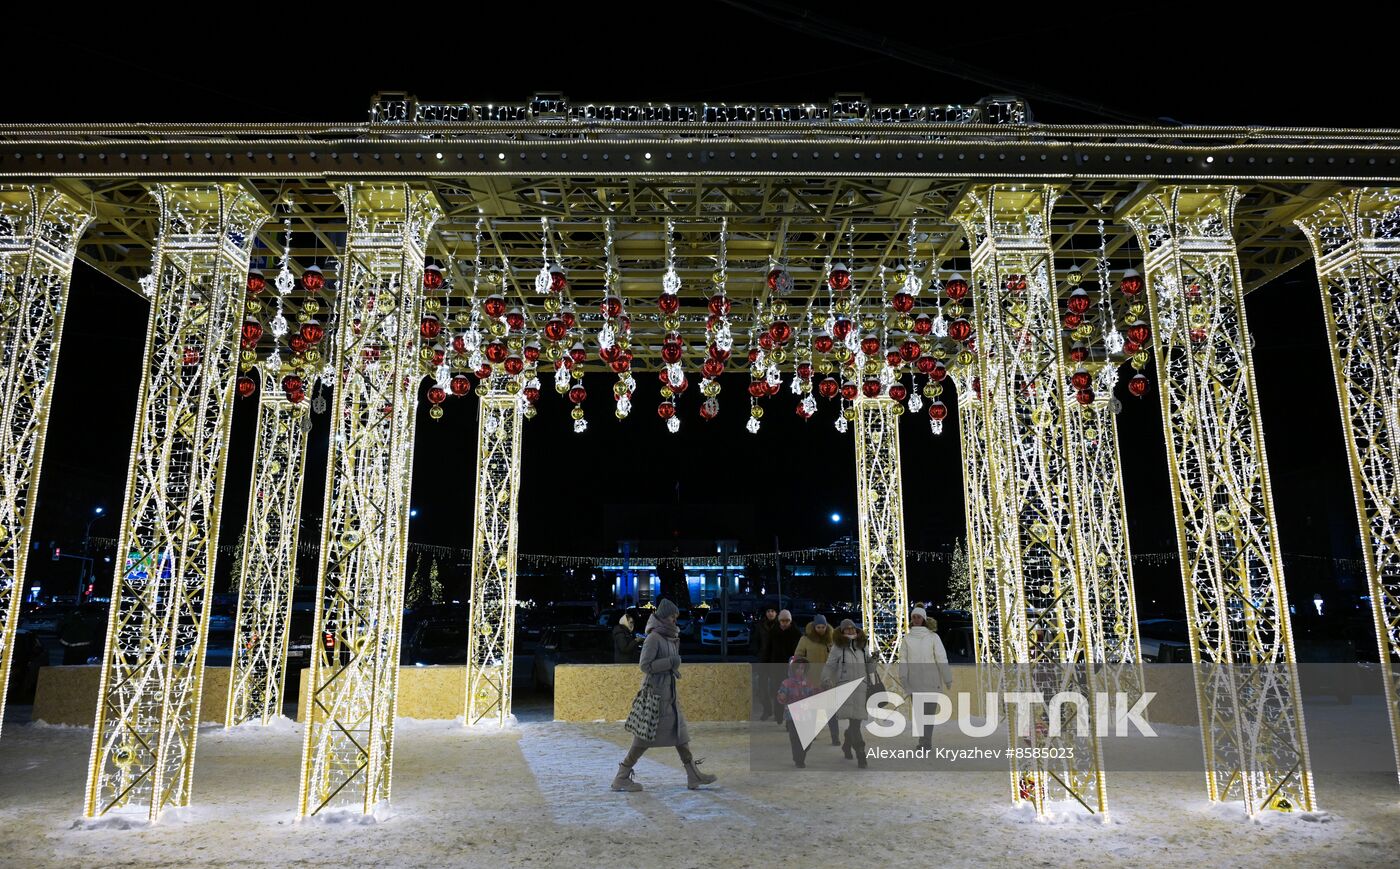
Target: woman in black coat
625,642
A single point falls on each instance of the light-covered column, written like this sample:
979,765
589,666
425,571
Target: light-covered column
153,666
981,526
884,592
491,641
1023,383
1356,239
347,756
39,232
1236,604
269,558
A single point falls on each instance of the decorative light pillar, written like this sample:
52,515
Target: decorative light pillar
491,641
269,558
1356,240
884,592
39,232
347,755
1236,604
1046,630
148,702
981,527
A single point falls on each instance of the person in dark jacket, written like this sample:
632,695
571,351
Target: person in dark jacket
76,638
782,643
625,642
762,631
661,662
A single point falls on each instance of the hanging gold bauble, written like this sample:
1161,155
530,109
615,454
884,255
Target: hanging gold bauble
849,413
844,305
898,408
1041,532
310,308
551,303
1137,309
667,392
1140,360
872,367
780,308
577,412
938,352
778,355
497,328
252,307
1197,316
620,414
1074,278
515,344
710,388
1224,521
561,385
824,366
530,412
493,278
929,388
430,306
576,372
954,311
670,323
435,411
717,277
867,323
553,352
248,357
819,319
482,389
965,357
513,386
756,411
903,322
619,388
312,355
1083,331
426,354
462,318
459,363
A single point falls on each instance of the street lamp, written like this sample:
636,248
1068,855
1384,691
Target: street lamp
835,518
413,513
97,513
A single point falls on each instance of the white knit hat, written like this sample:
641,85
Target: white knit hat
920,612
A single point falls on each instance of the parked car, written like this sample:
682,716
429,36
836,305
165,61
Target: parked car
738,629
438,641
570,644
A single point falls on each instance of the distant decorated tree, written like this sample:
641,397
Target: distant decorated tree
416,595
435,584
959,580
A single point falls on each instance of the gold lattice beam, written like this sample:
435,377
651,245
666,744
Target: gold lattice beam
1356,238
1236,603
269,557
1023,387
40,229
148,704
981,528
491,641
347,755
884,592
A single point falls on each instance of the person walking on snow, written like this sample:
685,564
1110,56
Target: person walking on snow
815,646
782,644
794,688
923,663
661,662
850,660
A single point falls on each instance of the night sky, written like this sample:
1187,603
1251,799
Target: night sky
577,492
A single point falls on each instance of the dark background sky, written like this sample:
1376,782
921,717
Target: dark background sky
579,492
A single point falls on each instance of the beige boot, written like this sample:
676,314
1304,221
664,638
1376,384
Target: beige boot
694,778
624,780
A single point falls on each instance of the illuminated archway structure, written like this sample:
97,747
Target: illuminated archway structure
863,256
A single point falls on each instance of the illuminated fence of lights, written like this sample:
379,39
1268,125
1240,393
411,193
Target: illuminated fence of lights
347,754
39,231
1355,236
153,667
884,591
268,566
1236,605
1023,385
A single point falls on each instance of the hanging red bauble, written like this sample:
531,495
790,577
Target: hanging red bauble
312,332
1080,379
1138,385
720,305
532,353
849,390
484,371
531,393
841,328
870,345
937,410
959,329
717,352
557,279
668,303
1078,301
257,282
459,345
712,368
925,364
1198,336
620,366
804,370
828,387
1139,332
610,353
898,392
773,388
902,302
430,327
923,324
555,330
578,354
624,323
438,355
577,394
666,410
247,386
1130,283
679,389
1072,320
515,320
909,350
494,306
671,352
892,358
461,384
291,383
870,388
297,343
758,389
190,356
436,394
1078,353
802,411
780,331
1084,396
312,279
514,365
956,288
432,278
775,277
765,341
840,279
252,331
296,396
569,319
1016,283
496,351
822,343
1131,347
709,409
938,373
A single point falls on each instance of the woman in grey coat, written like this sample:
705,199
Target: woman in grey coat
661,662
850,660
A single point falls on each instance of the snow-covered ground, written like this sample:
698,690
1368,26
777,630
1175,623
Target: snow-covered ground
537,794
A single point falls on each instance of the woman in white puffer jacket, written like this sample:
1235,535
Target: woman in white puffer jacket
923,663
